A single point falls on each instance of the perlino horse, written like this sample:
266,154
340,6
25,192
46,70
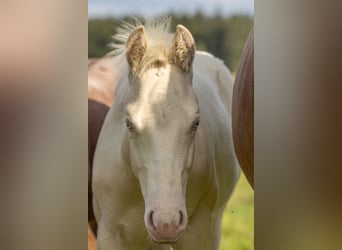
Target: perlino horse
164,166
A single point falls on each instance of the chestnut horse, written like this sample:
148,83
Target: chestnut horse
91,239
243,110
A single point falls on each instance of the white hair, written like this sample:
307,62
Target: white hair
157,32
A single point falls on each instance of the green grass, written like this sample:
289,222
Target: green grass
238,219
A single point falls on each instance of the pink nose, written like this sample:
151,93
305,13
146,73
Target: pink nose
166,226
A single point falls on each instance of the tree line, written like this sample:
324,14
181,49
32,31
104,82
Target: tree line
224,37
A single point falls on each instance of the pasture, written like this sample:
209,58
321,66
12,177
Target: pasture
238,219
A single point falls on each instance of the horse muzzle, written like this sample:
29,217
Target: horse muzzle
166,226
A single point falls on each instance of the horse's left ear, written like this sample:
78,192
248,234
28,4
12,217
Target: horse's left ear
183,48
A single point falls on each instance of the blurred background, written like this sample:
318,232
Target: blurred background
220,27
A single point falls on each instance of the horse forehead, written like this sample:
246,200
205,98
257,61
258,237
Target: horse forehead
155,113
155,85
162,96
162,84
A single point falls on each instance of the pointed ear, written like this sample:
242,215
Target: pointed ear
135,48
183,48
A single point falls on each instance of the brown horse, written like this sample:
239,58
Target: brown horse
102,79
243,110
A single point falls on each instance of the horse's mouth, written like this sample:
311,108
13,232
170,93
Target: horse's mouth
165,240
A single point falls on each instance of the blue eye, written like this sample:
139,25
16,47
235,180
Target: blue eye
129,125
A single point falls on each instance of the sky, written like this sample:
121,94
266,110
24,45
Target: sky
149,8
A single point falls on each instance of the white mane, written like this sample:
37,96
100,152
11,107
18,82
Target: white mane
157,32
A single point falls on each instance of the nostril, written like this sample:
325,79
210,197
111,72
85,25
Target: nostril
150,220
183,221
181,218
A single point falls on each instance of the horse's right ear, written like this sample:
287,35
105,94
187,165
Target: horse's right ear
135,48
